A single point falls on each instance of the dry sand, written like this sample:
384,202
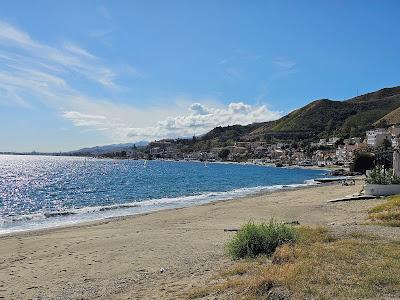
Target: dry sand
122,258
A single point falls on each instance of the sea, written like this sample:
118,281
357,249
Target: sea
48,191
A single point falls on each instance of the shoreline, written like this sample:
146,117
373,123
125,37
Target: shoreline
92,222
121,258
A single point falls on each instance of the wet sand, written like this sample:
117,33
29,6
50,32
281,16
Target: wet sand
122,258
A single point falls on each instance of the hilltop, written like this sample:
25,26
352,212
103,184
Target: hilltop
320,119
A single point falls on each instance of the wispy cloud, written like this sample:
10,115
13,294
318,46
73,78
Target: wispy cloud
103,34
33,72
68,58
234,64
284,64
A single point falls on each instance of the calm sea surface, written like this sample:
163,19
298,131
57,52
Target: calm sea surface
40,191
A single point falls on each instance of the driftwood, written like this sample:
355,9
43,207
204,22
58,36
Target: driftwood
287,223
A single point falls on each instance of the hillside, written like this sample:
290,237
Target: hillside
391,118
320,119
351,117
98,150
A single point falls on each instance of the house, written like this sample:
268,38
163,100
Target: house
332,141
345,152
325,157
376,137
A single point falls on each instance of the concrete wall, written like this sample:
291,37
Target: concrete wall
381,189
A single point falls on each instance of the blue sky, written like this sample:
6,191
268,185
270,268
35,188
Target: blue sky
84,73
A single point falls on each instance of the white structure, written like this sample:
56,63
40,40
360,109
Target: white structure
332,141
396,163
394,130
396,142
377,136
381,189
345,152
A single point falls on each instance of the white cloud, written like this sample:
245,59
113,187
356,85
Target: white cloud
284,64
75,49
69,58
32,72
200,119
81,120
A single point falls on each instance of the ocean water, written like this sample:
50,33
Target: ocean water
41,191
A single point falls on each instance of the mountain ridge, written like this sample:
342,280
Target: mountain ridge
320,119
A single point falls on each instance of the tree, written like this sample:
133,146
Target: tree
339,142
381,123
363,161
223,154
387,144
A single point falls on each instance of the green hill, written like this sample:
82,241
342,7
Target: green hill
319,119
351,117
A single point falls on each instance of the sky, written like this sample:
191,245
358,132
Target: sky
85,73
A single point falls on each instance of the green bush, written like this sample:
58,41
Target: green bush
254,239
379,175
362,161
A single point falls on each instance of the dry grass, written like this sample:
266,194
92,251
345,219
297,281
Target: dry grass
387,214
317,267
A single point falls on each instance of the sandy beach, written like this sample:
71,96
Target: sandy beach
121,258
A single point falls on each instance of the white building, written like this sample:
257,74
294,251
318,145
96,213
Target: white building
332,141
396,142
377,136
394,130
345,152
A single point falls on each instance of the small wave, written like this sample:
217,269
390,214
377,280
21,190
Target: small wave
137,207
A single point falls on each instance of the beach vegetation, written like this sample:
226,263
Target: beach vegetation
380,175
254,239
387,214
317,266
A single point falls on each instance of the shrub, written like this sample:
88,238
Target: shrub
379,175
363,161
254,239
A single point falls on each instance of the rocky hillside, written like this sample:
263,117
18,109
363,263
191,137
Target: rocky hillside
391,118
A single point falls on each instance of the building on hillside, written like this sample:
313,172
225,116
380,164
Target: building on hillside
377,137
325,157
394,130
361,146
345,152
332,141
353,140
134,154
396,142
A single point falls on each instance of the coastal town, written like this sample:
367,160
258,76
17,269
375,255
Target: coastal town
332,151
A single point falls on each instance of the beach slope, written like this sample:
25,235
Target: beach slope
159,255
